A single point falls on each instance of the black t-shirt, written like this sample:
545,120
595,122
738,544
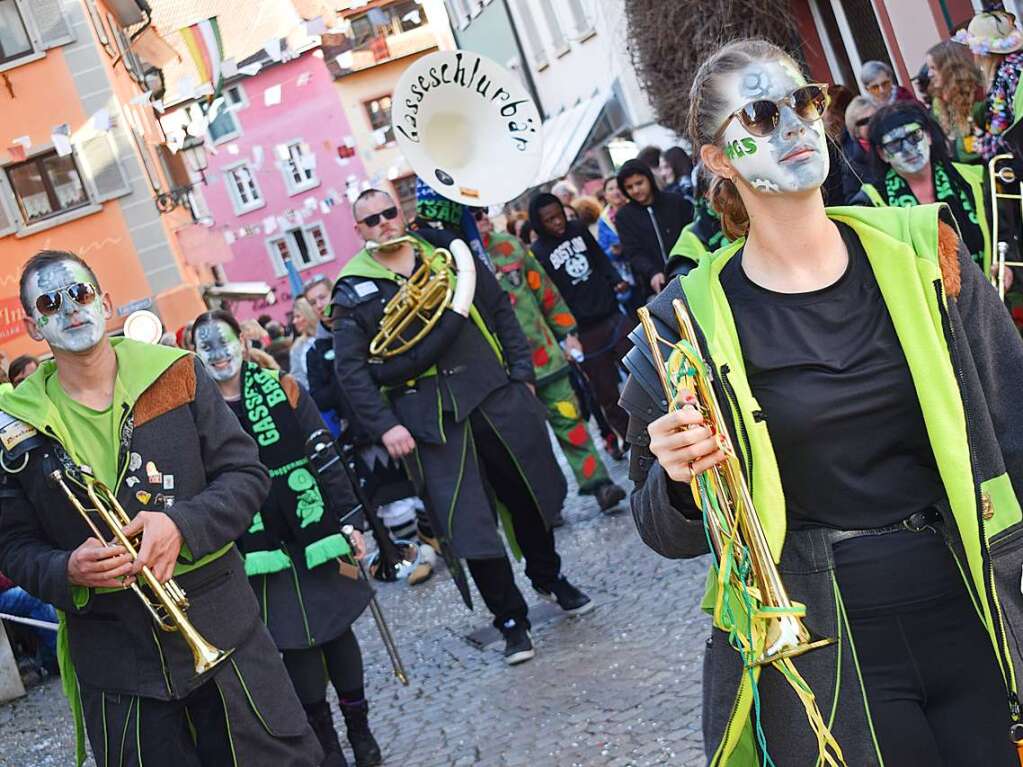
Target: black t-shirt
840,405
581,272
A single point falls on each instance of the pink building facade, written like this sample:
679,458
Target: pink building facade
279,181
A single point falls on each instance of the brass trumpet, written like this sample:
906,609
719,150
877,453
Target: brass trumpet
1001,173
169,603
447,281
734,523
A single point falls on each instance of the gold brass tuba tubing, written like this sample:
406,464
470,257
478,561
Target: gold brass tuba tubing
448,281
1001,172
786,634
169,602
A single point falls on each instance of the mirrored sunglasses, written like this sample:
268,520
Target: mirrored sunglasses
49,303
761,118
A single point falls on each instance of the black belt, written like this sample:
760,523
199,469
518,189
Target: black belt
921,521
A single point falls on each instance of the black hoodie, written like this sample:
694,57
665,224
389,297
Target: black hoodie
578,266
648,232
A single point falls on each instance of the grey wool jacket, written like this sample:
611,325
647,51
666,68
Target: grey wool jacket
986,354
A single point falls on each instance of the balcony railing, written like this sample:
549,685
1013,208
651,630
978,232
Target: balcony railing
345,54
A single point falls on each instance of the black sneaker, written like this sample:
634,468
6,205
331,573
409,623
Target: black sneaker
609,495
569,598
518,644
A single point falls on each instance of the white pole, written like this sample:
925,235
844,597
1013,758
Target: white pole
10,678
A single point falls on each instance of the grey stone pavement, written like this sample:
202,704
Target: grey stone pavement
617,687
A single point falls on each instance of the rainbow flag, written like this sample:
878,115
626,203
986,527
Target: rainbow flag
207,51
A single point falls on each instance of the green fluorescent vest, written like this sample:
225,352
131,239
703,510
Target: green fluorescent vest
902,247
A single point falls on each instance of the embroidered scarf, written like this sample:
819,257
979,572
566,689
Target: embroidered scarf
294,517
707,226
951,189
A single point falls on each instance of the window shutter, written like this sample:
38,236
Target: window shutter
8,224
53,28
97,159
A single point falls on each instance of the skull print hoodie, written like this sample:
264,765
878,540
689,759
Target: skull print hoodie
577,265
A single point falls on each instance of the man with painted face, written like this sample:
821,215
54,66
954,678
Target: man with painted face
648,225
294,547
589,284
912,166
459,408
146,421
860,361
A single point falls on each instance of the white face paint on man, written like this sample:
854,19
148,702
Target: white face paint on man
906,148
220,349
794,157
73,327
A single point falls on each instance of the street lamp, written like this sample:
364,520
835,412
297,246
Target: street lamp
193,149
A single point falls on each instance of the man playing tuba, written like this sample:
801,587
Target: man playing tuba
147,422
460,408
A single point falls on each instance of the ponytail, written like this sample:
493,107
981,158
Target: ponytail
725,199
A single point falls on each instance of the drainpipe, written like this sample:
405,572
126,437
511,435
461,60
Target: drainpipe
530,83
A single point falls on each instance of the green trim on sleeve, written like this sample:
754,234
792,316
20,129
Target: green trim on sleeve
326,549
266,562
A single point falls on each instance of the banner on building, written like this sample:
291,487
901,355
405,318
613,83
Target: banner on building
11,316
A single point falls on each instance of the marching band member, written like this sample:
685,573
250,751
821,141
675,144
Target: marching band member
912,165
545,319
150,424
461,411
862,362
294,546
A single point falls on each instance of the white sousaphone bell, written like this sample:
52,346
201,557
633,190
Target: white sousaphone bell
467,127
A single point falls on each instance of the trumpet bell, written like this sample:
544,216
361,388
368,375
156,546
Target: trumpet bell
467,127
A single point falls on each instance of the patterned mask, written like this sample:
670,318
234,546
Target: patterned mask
220,350
794,156
74,327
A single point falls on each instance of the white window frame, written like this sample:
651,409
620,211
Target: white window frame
241,92
559,42
39,46
241,208
534,42
229,136
285,166
582,23
386,128
278,263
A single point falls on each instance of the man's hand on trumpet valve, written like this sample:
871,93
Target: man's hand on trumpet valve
683,445
161,543
96,565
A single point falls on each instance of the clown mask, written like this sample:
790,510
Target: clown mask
907,148
791,158
220,349
68,311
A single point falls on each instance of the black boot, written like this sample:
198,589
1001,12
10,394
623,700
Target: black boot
364,745
322,722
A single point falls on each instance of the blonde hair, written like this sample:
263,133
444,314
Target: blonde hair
304,308
858,107
706,106
960,79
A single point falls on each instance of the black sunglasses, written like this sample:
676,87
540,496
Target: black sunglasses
761,117
81,293
479,214
374,218
862,121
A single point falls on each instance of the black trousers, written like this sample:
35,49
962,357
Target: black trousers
605,344
340,659
494,577
935,692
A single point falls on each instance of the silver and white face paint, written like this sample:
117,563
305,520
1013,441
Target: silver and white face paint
220,349
74,328
794,157
912,149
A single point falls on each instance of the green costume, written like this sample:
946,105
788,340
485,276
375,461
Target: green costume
546,320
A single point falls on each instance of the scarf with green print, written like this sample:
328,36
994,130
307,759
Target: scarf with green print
294,513
951,189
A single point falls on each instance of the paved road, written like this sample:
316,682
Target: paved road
617,687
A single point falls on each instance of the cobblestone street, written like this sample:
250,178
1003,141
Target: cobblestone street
619,686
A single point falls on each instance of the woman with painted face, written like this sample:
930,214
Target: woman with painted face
860,360
298,562
911,166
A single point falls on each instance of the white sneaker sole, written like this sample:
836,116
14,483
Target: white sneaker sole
520,657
